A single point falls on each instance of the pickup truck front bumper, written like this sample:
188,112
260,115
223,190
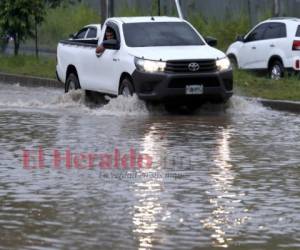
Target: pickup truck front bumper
217,86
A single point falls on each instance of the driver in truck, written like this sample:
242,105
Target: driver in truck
109,35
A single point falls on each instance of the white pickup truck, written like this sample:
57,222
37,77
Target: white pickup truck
161,59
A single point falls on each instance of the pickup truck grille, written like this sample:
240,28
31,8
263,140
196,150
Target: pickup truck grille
196,66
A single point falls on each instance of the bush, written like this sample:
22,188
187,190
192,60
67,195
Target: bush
225,31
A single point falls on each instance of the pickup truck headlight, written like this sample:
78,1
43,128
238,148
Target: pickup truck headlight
223,64
149,65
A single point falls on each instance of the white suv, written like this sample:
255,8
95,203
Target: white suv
272,45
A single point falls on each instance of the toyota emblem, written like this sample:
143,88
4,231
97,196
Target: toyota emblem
194,67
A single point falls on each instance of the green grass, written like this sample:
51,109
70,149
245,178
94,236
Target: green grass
28,65
250,84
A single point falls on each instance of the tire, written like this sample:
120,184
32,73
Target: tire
72,83
126,88
276,70
233,61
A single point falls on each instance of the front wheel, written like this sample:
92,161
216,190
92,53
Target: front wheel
126,88
72,83
276,70
233,61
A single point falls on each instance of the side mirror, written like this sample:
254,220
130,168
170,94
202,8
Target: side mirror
71,36
111,44
211,41
240,39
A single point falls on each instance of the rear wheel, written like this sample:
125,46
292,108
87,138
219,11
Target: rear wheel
276,70
126,88
72,83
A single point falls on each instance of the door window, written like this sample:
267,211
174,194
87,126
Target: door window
275,30
112,32
257,34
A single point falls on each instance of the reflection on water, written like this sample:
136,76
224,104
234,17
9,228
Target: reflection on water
148,195
145,212
222,180
226,179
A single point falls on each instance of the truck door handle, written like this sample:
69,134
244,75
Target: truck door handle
253,47
272,46
116,59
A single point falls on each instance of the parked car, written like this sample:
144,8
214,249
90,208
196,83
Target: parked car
160,59
272,45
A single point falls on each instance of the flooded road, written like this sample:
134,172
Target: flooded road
123,177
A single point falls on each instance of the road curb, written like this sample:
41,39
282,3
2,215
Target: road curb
30,81
281,105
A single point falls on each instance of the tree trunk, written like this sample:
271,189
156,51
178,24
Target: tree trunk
158,6
276,8
16,44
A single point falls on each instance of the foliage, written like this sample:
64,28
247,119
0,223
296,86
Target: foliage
17,18
63,21
225,31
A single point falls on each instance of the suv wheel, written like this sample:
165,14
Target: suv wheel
126,88
233,61
276,70
72,83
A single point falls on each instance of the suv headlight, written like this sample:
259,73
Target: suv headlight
149,65
223,64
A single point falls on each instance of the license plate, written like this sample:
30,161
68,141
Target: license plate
194,89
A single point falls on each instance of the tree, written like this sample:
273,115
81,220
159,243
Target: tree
18,19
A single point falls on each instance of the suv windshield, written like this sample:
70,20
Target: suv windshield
160,34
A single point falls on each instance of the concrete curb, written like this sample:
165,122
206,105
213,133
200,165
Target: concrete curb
30,81
281,105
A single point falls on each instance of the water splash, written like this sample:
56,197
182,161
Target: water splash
123,106
16,96
243,105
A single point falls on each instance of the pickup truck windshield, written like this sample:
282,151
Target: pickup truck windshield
160,34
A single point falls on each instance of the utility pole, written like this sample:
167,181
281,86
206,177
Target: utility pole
111,8
158,7
276,8
104,10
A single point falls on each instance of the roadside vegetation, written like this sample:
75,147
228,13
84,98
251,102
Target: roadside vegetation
253,85
224,31
64,20
28,65
245,83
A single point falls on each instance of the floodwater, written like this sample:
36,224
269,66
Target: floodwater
122,176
